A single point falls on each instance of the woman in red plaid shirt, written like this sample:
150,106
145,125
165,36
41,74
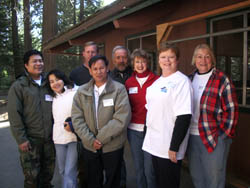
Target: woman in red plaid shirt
213,121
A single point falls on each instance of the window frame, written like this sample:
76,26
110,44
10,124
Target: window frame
140,36
210,35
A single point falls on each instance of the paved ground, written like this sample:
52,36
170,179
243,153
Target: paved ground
11,173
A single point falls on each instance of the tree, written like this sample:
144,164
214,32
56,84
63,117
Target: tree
66,11
81,15
36,15
49,28
74,12
26,18
91,6
65,14
18,66
6,62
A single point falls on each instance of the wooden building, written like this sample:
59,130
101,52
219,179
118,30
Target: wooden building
224,24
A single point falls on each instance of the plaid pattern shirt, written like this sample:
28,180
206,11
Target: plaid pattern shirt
218,109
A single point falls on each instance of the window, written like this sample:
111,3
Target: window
231,43
229,36
101,48
146,42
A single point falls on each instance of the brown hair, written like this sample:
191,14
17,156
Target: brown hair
165,47
140,53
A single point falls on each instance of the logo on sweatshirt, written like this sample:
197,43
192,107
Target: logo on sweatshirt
164,89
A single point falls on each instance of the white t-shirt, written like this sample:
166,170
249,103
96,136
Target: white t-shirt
61,109
39,82
199,83
167,98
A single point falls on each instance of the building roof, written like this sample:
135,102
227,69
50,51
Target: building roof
109,14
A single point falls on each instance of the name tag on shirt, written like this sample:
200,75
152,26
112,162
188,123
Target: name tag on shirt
133,90
48,98
108,102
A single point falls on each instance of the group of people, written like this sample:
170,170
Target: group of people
83,121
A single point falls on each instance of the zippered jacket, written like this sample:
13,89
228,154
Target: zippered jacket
114,114
29,110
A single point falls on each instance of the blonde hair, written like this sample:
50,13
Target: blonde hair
204,47
91,43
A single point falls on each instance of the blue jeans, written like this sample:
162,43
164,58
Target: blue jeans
66,155
145,176
208,170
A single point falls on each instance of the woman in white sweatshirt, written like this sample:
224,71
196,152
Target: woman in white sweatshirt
62,91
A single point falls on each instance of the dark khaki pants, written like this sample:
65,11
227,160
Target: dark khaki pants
38,164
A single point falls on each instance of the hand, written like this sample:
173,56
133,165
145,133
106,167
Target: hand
97,144
67,127
172,156
25,147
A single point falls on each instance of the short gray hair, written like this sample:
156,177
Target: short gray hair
118,47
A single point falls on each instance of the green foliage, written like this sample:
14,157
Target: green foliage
6,60
65,11
91,7
36,12
65,14
67,63
66,17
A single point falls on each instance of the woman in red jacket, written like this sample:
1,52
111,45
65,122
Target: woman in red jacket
136,86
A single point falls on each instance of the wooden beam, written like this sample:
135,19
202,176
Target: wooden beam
167,33
164,29
61,52
215,12
73,43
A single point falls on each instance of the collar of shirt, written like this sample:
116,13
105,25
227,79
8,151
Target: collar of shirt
39,82
99,90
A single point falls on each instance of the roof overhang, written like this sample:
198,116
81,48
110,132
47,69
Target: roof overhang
113,13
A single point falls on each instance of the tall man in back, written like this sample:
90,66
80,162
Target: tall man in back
121,72
30,115
80,76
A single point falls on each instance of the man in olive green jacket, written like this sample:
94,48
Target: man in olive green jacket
100,115
30,116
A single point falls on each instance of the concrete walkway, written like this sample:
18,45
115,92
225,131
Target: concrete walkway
11,175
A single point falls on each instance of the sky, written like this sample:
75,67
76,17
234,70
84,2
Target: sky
106,2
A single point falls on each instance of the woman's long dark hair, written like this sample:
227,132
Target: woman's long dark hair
61,76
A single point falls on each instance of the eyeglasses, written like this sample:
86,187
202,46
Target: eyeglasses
203,56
